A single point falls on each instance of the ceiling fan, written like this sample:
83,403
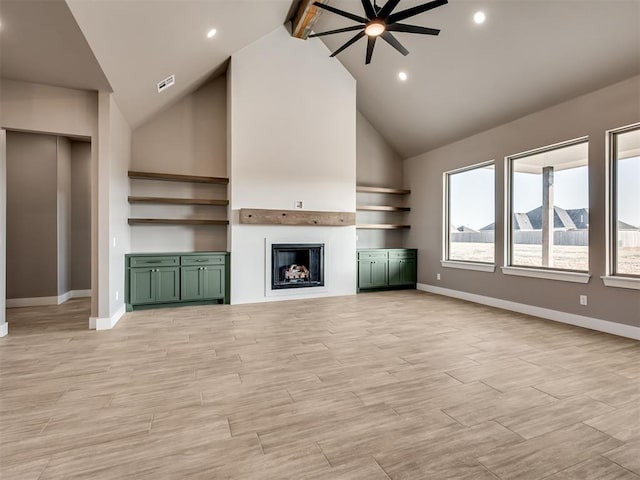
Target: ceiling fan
380,22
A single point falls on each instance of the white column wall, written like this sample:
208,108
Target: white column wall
292,128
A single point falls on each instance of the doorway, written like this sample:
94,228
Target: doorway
47,218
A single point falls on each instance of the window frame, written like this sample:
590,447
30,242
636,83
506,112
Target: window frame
612,278
446,226
548,273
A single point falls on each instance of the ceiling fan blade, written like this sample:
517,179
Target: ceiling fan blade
410,12
368,9
339,30
353,40
348,15
401,27
371,42
388,8
393,41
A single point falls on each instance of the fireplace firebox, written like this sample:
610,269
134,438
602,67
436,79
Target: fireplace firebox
297,265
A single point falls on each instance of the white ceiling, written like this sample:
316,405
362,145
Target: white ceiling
529,54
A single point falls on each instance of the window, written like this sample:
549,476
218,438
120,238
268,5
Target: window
625,200
548,212
470,214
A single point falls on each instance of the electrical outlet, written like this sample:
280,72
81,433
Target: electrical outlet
583,299
297,204
117,296
114,241
437,276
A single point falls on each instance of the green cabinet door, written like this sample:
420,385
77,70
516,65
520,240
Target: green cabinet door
410,271
167,284
372,273
191,284
379,273
213,280
364,274
395,275
402,272
202,283
153,285
142,286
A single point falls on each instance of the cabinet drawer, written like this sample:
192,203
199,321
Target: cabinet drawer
372,255
402,254
202,260
154,261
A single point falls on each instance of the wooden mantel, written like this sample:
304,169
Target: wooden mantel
256,216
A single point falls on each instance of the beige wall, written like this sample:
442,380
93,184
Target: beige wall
590,115
32,230
377,165
80,215
64,215
3,231
119,160
187,138
42,108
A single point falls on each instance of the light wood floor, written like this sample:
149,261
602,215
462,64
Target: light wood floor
393,385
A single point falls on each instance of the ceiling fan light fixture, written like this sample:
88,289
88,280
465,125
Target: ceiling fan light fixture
379,22
375,27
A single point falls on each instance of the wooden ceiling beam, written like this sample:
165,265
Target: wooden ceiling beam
305,18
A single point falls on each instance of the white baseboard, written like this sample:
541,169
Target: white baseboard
31,302
106,323
43,301
606,326
4,329
80,293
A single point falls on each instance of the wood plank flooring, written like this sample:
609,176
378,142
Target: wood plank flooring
378,386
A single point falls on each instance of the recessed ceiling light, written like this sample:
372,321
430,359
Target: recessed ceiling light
212,33
479,17
402,76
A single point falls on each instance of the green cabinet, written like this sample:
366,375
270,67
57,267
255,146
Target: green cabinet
154,280
387,268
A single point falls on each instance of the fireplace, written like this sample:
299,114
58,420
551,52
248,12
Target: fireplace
297,265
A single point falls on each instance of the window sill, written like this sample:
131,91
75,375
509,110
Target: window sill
479,267
621,282
547,274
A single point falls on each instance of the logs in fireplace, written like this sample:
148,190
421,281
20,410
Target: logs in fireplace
296,265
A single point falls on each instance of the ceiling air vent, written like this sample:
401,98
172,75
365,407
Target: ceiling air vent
166,83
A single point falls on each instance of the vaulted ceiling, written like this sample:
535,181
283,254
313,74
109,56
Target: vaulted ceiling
529,54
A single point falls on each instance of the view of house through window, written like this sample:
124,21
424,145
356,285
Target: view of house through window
549,208
471,214
626,201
